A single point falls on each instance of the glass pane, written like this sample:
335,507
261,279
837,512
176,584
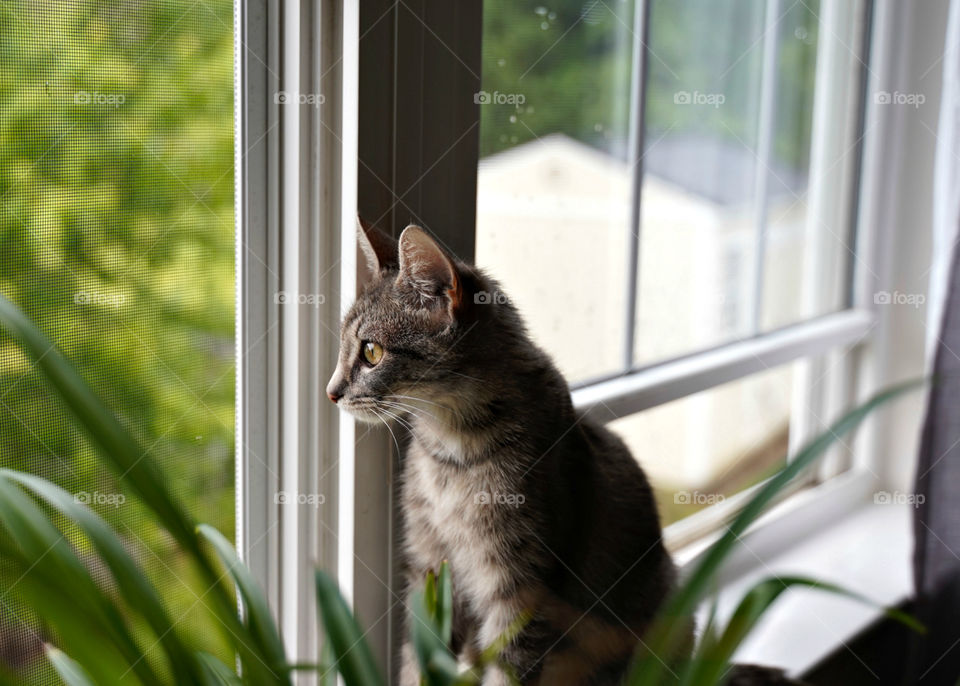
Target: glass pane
117,235
554,186
788,290
703,448
703,159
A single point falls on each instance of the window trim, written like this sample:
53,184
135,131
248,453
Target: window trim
286,433
847,496
668,381
292,234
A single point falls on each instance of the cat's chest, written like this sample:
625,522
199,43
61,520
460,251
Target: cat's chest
449,510
461,516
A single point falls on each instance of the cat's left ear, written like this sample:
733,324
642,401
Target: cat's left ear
377,249
429,270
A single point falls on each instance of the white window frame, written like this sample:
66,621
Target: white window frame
288,176
297,178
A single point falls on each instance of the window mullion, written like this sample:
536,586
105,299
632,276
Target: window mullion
288,276
767,114
638,85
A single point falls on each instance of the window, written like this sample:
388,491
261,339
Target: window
116,217
669,189
665,187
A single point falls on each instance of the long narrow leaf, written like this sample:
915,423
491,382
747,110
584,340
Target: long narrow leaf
713,661
669,631
445,603
132,583
327,673
262,627
77,633
50,551
216,673
68,670
354,660
437,664
117,446
119,451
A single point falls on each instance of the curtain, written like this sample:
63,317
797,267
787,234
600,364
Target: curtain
936,657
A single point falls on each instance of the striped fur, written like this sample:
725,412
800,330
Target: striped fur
537,508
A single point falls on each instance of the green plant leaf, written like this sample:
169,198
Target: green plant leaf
216,673
438,665
140,596
354,660
134,467
118,448
76,634
68,670
669,631
430,594
52,557
491,653
258,617
444,608
328,673
712,660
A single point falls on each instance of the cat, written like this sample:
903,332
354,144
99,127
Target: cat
538,508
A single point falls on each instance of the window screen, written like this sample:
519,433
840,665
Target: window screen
116,238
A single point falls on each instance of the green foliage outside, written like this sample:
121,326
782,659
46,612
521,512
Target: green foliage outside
116,237
571,62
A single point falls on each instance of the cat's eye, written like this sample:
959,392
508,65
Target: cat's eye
372,352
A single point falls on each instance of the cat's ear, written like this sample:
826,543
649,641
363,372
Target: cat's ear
429,270
379,250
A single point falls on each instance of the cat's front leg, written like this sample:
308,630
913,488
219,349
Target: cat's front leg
409,666
524,654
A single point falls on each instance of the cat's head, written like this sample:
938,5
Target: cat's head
406,336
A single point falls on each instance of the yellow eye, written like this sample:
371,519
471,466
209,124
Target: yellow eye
372,352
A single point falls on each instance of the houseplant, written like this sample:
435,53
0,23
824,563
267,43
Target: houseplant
90,621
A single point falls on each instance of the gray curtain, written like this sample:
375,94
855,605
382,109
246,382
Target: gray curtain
935,658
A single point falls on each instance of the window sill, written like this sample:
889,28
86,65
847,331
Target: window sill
866,550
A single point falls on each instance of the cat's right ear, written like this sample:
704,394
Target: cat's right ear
379,251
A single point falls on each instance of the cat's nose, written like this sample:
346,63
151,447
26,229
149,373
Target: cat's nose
336,387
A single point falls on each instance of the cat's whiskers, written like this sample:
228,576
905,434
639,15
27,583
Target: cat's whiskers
399,419
412,409
412,417
386,424
448,408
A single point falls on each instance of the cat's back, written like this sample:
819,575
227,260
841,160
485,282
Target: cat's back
610,510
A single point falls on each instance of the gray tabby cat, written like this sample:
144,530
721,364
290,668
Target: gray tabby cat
536,507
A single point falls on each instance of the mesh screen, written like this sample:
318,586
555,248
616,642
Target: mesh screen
116,238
